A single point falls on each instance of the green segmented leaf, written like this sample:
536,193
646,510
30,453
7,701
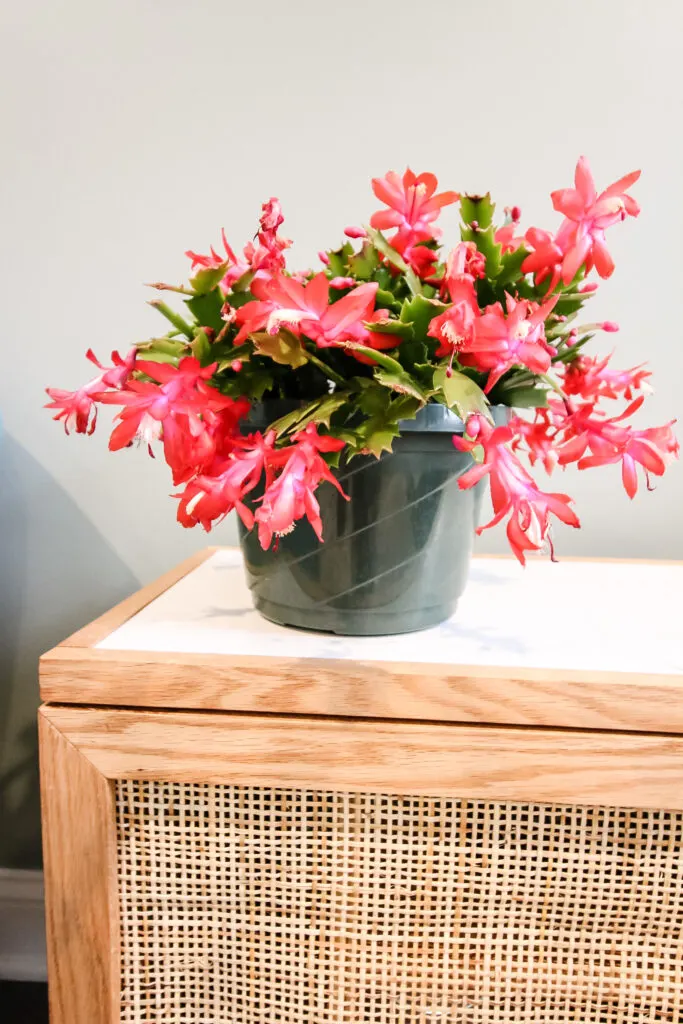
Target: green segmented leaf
461,393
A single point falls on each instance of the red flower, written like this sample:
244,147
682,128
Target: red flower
77,408
291,495
590,378
454,328
305,309
609,441
538,436
582,235
505,237
500,342
413,207
213,494
513,490
148,405
262,259
545,258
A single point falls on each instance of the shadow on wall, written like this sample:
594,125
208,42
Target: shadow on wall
56,573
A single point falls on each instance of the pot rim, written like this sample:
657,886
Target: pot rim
431,418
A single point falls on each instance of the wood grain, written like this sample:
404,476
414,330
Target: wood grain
395,757
96,630
79,847
308,686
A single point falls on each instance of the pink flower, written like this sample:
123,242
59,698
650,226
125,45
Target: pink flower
291,495
262,259
117,375
223,487
506,238
454,328
538,437
545,258
148,405
413,207
608,441
194,442
305,309
582,234
590,378
500,342
422,259
77,408
513,490
343,283
213,260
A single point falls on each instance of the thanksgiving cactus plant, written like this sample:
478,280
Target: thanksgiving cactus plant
391,322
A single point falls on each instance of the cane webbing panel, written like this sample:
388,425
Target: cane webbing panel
253,905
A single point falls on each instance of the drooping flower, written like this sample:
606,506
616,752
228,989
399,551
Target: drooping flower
513,490
538,437
413,207
77,409
291,495
223,487
581,236
515,338
609,441
147,405
306,309
591,378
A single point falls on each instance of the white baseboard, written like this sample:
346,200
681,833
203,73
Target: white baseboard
22,926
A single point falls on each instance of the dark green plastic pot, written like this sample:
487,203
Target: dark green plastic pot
395,557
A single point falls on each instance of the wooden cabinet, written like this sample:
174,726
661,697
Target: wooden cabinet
478,823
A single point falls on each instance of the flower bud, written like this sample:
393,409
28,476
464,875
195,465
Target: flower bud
609,326
324,258
236,365
354,232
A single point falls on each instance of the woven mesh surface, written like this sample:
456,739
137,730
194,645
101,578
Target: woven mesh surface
253,905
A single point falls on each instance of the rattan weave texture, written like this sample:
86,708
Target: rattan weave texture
253,905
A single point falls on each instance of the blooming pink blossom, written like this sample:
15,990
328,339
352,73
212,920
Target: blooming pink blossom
537,436
148,405
77,409
591,378
608,440
291,495
223,486
501,341
581,236
282,301
413,207
263,259
513,490
544,259
454,328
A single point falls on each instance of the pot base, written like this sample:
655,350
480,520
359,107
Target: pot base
354,623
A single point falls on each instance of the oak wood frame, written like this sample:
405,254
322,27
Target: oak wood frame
78,672
84,750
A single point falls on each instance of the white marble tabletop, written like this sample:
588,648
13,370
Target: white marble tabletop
584,615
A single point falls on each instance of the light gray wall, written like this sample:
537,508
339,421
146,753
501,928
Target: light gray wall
134,129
